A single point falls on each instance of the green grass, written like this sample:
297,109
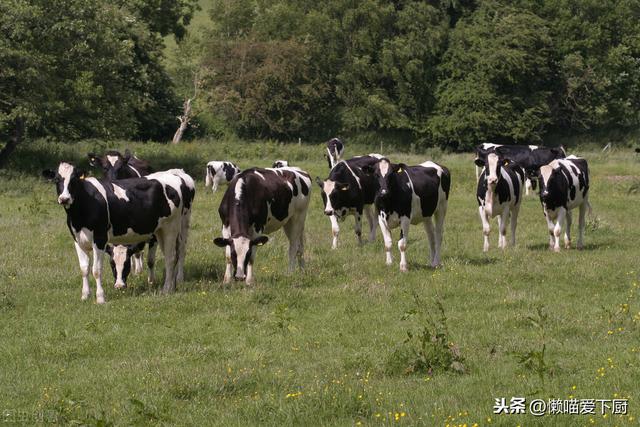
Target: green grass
323,347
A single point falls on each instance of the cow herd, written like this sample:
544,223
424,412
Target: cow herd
133,208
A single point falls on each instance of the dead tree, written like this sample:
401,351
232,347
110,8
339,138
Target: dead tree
187,115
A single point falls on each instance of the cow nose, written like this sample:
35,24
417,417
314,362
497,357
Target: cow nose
492,180
120,285
328,212
240,276
383,192
63,200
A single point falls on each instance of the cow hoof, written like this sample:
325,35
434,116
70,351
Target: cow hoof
403,268
118,286
84,297
556,249
100,300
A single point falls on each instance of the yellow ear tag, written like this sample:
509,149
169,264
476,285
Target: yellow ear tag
260,244
400,170
344,188
82,176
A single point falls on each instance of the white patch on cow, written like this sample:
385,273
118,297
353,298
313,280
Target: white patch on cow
135,170
430,164
112,160
328,188
242,246
492,162
120,192
65,170
84,238
238,189
376,155
260,175
384,168
546,170
533,147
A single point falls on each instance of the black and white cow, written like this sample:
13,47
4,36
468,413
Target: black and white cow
564,185
116,166
219,172
124,212
411,195
335,149
258,202
280,164
528,157
500,194
350,191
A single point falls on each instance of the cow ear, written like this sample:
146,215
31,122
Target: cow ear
320,182
127,155
221,242
48,174
259,241
401,168
109,250
479,163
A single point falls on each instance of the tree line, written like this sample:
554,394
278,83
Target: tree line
451,73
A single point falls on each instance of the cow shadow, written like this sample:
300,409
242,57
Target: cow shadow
591,246
476,261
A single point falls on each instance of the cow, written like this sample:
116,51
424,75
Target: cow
280,164
499,193
219,172
124,212
564,185
350,191
335,149
259,202
116,166
529,157
411,195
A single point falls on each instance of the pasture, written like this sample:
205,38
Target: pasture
327,346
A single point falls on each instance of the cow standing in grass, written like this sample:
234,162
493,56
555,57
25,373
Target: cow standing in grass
219,172
499,194
125,212
115,166
529,157
258,202
564,185
411,195
350,191
335,149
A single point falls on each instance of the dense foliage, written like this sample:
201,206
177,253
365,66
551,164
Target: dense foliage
85,68
453,73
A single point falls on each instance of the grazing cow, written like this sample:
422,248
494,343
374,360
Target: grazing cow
411,195
529,157
124,212
335,148
500,194
258,202
564,185
220,172
280,164
116,166
350,191
120,257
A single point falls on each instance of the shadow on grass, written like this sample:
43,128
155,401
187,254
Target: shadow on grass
544,246
480,260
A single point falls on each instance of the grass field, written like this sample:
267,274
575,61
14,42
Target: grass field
327,346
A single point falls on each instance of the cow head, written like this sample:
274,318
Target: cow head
280,164
333,194
240,251
68,182
384,171
120,260
494,165
112,163
548,179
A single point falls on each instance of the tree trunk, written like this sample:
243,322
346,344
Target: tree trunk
184,122
13,142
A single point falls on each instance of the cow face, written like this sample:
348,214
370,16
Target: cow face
494,169
548,180
112,164
280,164
68,180
120,260
334,195
240,251
384,172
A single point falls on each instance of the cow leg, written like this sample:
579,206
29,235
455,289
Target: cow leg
581,222
557,229
388,239
182,250
527,186
168,240
137,262
567,231
371,218
228,272
358,226
402,243
486,228
250,279
503,223
151,261
294,231
335,230
440,214
428,227
83,260
515,211
98,255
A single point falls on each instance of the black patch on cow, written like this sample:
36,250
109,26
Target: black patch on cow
229,171
357,195
304,188
126,166
529,159
516,176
